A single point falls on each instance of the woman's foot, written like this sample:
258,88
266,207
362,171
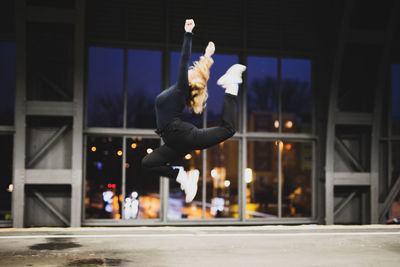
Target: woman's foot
191,185
182,176
232,76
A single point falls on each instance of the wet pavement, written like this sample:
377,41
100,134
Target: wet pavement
374,245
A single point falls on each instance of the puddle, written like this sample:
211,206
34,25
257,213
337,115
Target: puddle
55,244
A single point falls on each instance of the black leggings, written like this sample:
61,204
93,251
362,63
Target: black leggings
181,138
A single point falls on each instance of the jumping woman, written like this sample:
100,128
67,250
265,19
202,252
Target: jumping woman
190,91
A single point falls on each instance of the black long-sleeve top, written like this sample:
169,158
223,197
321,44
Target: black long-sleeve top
171,102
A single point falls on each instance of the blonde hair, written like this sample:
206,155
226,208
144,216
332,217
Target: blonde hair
200,73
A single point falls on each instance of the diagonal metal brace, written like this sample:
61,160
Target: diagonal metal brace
389,199
47,145
344,202
54,86
51,208
349,155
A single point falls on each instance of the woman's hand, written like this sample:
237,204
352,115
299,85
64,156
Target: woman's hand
210,49
189,25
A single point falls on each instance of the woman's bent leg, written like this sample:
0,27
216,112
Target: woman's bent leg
204,138
156,162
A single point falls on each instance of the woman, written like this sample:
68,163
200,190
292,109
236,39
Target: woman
190,91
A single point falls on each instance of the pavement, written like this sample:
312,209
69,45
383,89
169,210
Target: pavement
305,245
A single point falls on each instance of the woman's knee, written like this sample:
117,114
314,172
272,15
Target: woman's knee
230,130
147,163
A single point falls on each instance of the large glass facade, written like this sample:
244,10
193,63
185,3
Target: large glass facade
262,94
105,87
144,84
262,179
296,95
278,175
103,179
222,181
142,191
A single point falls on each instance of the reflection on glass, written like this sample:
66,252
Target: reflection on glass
296,179
296,95
189,116
144,84
7,82
396,99
395,176
262,94
177,208
261,176
6,186
215,92
142,199
105,87
103,177
222,180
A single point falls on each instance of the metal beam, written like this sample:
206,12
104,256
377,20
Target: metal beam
50,108
344,202
77,128
7,129
352,178
389,199
47,145
40,176
18,195
51,208
353,118
330,139
349,155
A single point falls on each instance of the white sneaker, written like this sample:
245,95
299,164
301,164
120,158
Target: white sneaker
232,76
191,185
182,177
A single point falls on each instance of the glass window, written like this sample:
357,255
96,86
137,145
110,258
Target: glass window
7,82
105,87
215,92
396,99
144,84
395,176
222,180
262,94
188,116
296,179
261,176
103,177
6,186
177,208
142,194
296,95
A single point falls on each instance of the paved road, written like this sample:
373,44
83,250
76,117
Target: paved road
376,245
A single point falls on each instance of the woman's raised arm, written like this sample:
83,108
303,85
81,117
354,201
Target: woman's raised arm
185,54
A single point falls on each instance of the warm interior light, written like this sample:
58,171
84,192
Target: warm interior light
248,175
289,124
134,145
119,152
94,148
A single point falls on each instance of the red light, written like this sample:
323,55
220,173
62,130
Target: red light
109,185
113,185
